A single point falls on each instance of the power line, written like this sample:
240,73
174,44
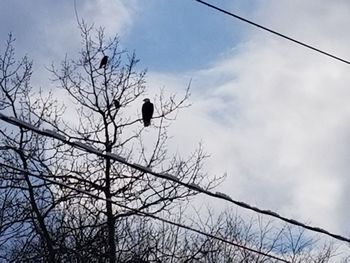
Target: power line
146,214
273,31
169,177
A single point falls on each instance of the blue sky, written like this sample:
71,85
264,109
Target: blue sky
274,116
182,35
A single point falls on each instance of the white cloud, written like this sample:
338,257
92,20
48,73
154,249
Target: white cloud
48,30
114,16
276,116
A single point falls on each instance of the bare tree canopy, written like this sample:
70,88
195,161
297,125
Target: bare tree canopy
44,221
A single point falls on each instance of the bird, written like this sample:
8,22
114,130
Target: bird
147,112
103,62
116,104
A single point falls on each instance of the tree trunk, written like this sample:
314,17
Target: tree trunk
110,217
44,233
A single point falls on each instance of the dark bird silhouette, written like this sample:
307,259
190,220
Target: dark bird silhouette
147,112
116,104
103,62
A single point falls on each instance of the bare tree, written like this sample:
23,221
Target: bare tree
26,202
47,222
147,241
109,120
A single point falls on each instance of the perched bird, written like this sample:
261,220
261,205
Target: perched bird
103,62
147,112
116,104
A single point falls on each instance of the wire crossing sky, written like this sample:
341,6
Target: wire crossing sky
274,32
138,212
218,195
273,115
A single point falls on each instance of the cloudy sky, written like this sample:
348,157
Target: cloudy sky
274,116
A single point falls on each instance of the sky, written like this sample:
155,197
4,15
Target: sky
274,116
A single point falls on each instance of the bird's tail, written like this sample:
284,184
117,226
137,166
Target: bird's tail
146,123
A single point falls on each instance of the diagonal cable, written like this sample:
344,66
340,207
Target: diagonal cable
272,31
141,213
169,177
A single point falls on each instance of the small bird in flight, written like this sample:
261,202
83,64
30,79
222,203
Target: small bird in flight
103,62
147,112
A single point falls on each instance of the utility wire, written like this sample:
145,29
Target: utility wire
145,213
272,31
169,177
